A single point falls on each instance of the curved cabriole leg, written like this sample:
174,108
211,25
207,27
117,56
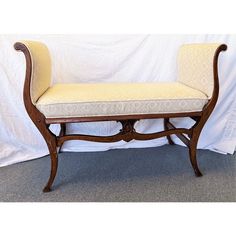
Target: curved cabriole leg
51,142
196,131
193,157
54,164
170,141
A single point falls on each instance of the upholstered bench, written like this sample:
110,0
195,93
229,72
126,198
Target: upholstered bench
193,95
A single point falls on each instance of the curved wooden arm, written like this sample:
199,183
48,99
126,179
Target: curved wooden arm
215,94
26,92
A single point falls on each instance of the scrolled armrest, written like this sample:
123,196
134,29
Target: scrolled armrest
38,68
198,66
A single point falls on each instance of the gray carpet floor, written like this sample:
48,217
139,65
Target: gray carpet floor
161,174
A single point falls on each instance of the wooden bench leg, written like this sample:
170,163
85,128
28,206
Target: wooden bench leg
51,142
170,141
196,131
193,157
54,164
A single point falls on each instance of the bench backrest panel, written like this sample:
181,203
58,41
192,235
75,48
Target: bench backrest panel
195,66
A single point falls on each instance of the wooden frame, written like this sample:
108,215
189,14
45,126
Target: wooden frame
188,136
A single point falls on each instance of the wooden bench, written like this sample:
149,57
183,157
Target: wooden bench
193,95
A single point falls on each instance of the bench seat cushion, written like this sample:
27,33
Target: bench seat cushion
109,99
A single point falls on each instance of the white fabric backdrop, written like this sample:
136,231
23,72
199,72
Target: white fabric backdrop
108,58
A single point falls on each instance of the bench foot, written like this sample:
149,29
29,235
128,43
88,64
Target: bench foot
198,173
47,190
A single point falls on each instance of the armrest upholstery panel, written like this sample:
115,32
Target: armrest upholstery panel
195,66
41,69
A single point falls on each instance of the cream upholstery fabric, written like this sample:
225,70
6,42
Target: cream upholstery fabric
190,93
41,74
195,66
83,100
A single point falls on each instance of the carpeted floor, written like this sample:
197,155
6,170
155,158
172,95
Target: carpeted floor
131,175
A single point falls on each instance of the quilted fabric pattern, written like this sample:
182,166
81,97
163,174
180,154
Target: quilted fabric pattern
195,66
83,100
